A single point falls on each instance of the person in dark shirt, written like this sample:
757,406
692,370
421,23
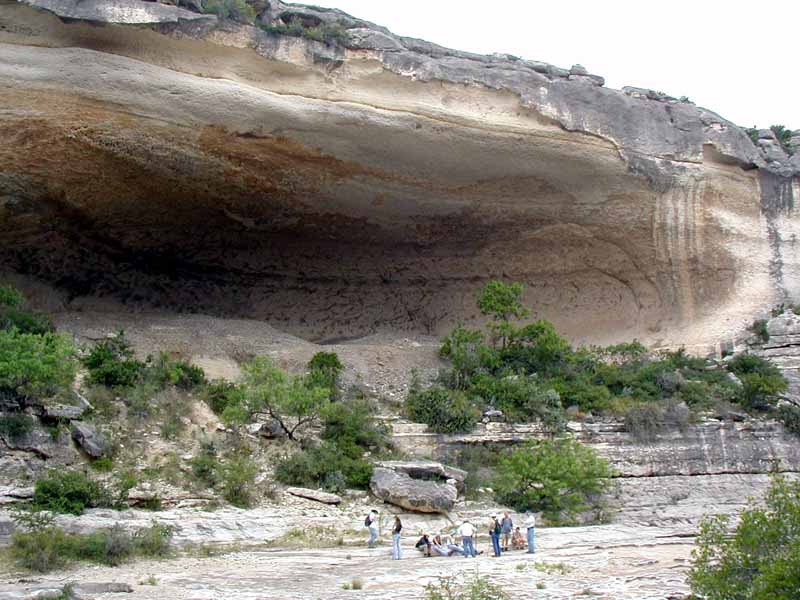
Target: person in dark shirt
424,545
397,551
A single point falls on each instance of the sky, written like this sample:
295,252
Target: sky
739,59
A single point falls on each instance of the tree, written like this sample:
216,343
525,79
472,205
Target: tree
285,399
761,560
501,301
559,477
36,365
324,370
10,296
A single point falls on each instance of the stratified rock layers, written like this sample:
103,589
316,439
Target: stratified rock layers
336,191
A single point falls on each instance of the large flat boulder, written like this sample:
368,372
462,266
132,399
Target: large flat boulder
420,495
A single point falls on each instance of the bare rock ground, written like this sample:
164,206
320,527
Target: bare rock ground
603,562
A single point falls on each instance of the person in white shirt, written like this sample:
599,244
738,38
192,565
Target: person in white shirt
466,531
530,524
372,525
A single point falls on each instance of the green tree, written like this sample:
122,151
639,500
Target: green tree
236,10
761,560
501,301
324,370
111,363
36,365
10,296
287,400
559,477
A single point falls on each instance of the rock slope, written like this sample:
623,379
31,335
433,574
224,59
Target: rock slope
168,158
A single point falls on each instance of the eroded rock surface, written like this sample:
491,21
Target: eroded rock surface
377,182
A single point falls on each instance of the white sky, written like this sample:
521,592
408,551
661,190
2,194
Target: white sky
740,59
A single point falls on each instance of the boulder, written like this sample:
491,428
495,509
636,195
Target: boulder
88,438
317,495
426,469
420,495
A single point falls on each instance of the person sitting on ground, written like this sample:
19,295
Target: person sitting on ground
424,545
517,541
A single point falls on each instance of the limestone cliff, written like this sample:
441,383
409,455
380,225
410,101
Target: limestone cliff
167,158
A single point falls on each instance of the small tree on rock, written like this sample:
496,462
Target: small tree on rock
501,301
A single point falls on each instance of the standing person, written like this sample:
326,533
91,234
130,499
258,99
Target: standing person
466,531
494,533
507,526
530,524
397,552
372,524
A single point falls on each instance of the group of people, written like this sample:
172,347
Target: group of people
504,535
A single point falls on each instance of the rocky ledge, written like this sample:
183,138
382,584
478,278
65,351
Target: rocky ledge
163,158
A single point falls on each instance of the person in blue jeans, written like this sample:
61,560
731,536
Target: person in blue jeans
530,524
466,531
397,552
494,533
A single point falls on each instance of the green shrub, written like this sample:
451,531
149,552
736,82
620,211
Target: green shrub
521,398
220,395
761,560
48,548
112,363
559,477
644,421
759,328
444,411
206,466
36,365
68,492
324,466
468,354
789,414
25,321
324,370
237,479
236,10
166,371
328,33
15,426
10,296
475,587
762,382
350,426
13,316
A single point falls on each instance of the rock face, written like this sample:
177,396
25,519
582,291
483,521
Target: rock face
417,489
377,181
710,467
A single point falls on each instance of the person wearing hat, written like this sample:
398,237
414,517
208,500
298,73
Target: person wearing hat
494,533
